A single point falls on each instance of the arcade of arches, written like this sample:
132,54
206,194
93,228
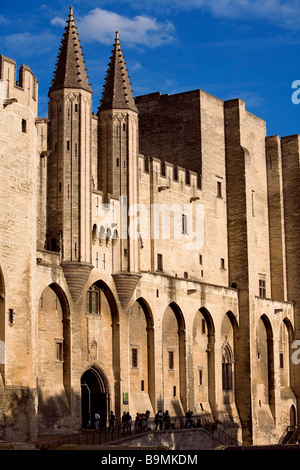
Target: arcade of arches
212,359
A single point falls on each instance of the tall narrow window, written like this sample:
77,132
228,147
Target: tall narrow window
93,300
227,372
159,262
252,202
59,351
184,224
262,288
24,126
281,361
171,360
219,189
134,357
200,377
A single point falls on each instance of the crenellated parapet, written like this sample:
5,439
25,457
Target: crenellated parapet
164,175
22,89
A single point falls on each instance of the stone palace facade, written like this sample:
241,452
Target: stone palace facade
149,256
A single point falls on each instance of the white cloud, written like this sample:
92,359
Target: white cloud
100,25
58,21
28,42
284,13
3,20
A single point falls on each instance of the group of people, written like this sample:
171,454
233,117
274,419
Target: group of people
189,419
163,420
126,422
142,421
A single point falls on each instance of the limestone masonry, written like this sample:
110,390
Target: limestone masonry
149,256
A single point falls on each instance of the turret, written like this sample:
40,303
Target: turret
69,168
118,145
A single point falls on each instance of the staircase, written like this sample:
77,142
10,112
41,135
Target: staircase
287,435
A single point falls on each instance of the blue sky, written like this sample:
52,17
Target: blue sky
246,49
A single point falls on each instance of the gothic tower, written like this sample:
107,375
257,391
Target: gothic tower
118,151
69,168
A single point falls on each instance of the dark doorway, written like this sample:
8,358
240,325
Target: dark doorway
292,416
94,397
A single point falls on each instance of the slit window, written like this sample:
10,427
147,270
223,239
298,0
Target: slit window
134,357
24,126
59,351
200,377
159,262
281,360
184,224
171,360
219,189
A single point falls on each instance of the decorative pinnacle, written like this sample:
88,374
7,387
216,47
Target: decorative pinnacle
70,71
117,92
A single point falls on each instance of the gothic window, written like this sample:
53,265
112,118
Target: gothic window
93,300
262,288
227,368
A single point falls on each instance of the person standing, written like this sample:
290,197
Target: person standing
111,422
97,421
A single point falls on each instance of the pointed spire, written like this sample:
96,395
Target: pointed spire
117,93
70,69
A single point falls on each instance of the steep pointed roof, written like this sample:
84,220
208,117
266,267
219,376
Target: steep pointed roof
70,71
117,93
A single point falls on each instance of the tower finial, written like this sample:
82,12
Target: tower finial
71,10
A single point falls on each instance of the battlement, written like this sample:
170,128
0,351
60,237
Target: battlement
23,89
165,175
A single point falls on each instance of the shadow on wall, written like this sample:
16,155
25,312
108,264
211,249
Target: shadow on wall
16,414
21,419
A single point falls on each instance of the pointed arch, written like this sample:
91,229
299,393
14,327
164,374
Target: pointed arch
142,357
210,357
2,324
54,357
227,367
174,359
109,296
266,360
109,350
95,395
287,368
233,321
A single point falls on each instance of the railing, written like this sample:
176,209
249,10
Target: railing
288,433
106,436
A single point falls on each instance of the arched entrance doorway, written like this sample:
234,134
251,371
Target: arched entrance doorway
95,396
